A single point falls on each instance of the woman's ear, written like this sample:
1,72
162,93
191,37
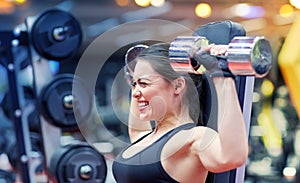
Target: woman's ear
179,85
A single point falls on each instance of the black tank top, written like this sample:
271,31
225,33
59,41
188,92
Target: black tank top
145,166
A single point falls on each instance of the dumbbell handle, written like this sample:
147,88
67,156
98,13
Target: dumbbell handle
250,56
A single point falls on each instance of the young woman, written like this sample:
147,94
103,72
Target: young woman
176,149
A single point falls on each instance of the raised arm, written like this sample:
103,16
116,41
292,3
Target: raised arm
228,148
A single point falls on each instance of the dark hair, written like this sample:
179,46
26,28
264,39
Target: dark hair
158,56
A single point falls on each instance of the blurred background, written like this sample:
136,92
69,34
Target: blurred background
274,134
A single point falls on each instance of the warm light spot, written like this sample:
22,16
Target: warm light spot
122,2
247,11
203,10
241,10
286,10
267,88
289,173
20,2
256,97
6,7
157,3
295,3
142,3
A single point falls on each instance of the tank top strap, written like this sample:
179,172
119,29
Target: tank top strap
170,134
179,128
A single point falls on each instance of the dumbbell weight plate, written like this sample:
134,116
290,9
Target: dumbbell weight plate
249,56
57,101
7,176
180,49
78,163
56,35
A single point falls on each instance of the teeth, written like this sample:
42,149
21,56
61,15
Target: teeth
143,104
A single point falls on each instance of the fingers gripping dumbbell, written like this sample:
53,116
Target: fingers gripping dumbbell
242,56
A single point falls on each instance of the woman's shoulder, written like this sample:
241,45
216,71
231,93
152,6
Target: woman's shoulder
188,138
185,137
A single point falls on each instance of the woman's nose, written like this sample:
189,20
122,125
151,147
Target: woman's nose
136,93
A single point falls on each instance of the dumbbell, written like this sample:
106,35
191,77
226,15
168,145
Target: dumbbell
248,56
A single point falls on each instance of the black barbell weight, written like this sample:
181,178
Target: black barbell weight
7,176
58,101
78,163
56,35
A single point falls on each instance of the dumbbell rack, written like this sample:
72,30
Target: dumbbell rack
10,42
53,35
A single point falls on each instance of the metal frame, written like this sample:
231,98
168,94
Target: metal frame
10,43
13,45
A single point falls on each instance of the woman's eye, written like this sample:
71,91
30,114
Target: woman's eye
143,84
133,83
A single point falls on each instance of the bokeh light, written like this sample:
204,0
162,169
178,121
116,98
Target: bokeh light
19,1
122,2
6,7
203,10
267,88
295,3
142,3
256,97
289,172
247,11
241,10
157,3
286,10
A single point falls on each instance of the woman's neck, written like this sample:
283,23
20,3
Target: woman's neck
168,124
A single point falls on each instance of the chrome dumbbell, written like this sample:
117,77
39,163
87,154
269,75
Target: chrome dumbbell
250,56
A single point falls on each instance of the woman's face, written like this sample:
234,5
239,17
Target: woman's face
152,93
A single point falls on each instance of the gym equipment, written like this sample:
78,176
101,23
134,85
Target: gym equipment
7,176
12,43
57,102
64,100
25,54
56,35
78,163
130,55
249,56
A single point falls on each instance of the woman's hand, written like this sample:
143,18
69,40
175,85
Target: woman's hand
212,49
217,50
213,59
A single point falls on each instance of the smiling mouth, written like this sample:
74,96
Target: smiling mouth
143,105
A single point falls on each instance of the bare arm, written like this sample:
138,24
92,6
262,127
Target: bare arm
136,127
227,148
